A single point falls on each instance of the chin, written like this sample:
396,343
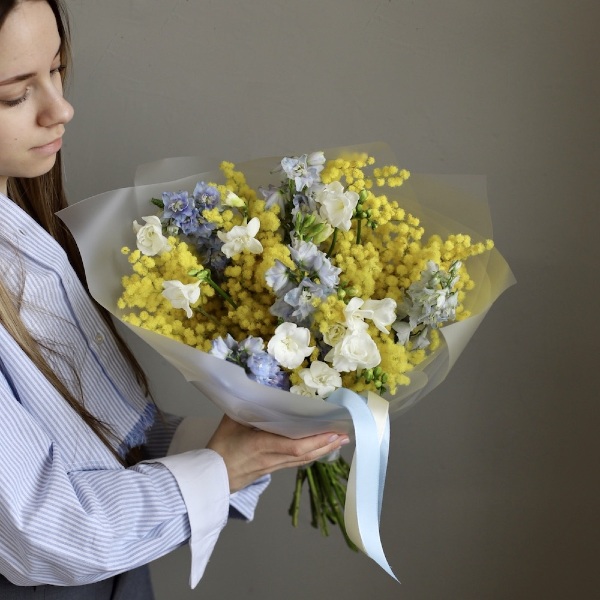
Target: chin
40,169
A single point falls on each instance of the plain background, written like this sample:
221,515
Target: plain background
493,488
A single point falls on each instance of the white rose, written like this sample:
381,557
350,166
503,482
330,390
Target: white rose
241,237
289,346
356,351
181,295
337,205
321,378
150,239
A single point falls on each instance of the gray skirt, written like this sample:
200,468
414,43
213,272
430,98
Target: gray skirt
133,585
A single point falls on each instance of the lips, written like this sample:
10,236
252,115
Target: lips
49,148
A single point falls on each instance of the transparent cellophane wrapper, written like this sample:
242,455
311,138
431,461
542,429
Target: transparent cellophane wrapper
444,204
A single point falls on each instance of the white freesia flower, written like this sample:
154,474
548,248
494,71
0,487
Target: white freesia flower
316,159
303,390
335,334
354,317
182,295
337,205
356,351
289,346
381,312
241,237
233,200
321,378
150,238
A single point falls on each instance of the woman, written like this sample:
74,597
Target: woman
77,507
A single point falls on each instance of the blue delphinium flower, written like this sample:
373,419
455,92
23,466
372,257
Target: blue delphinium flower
296,290
209,251
179,212
177,206
310,259
428,303
279,278
300,301
251,345
280,308
189,226
206,196
328,274
202,229
306,255
249,354
274,196
303,204
299,169
263,368
223,348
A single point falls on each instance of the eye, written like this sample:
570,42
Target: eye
16,101
60,69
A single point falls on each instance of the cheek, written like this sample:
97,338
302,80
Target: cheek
9,149
9,136
14,121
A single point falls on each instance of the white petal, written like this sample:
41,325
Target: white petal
253,227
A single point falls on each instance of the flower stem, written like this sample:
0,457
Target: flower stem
221,291
294,510
358,231
327,495
333,241
209,317
314,498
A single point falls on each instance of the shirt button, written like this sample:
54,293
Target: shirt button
99,338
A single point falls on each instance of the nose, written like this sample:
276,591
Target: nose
54,109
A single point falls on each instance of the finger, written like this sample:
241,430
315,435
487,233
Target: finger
307,450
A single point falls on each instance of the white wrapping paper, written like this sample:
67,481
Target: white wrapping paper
444,204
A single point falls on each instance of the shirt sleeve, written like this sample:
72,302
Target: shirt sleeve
160,436
194,432
200,501
61,525
191,434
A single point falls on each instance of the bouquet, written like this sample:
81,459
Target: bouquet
313,286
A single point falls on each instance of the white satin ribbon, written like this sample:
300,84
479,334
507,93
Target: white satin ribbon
364,494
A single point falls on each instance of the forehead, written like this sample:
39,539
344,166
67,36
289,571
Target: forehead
29,35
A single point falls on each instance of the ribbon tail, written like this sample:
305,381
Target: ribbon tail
364,494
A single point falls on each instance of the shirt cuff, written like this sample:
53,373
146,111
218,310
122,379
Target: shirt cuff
204,486
243,502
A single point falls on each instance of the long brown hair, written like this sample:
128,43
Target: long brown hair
41,197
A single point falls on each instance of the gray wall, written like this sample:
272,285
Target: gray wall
493,479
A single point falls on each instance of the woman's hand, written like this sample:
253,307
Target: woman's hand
250,453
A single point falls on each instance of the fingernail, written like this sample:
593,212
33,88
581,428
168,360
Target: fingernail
332,438
345,441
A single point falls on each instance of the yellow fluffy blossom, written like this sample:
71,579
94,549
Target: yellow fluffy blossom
384,252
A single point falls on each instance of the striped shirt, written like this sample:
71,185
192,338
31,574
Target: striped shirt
70,514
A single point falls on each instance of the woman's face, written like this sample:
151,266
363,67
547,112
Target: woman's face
33,112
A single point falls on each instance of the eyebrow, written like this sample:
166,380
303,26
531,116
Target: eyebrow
24,76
